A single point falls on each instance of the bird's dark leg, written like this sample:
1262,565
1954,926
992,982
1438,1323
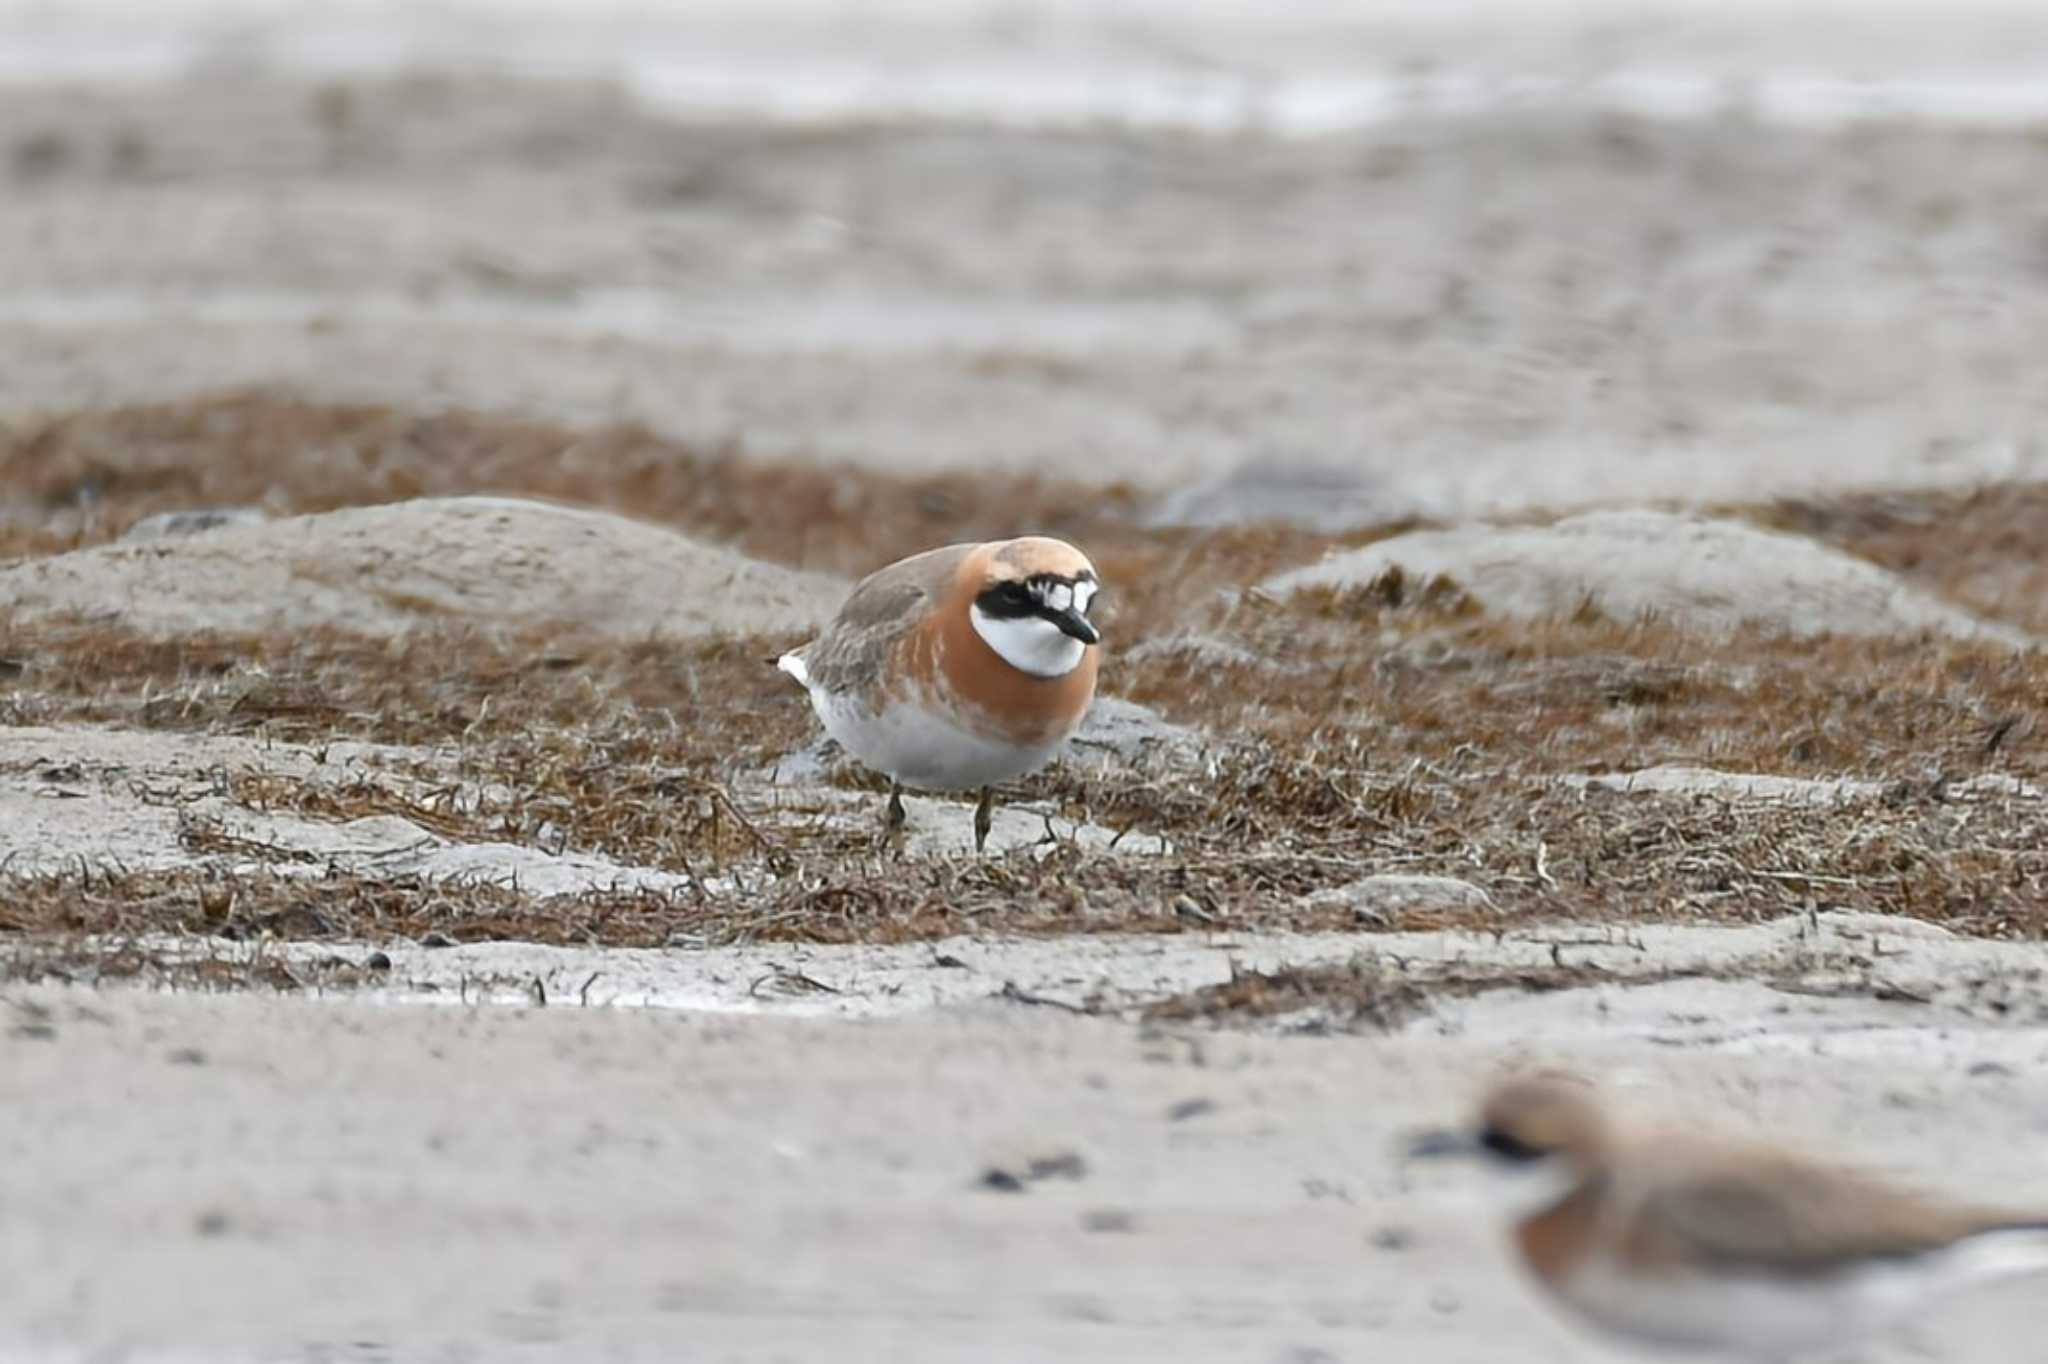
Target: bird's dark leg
893,817
984,816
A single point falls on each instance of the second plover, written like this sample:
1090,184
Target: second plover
959,667
1677,1240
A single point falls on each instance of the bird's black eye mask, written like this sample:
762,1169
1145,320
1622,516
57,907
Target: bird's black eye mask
1509,1147
1063,601
1042,594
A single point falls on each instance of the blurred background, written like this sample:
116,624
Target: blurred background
1343,262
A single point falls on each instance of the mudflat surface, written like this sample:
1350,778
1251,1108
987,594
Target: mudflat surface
1489,309
351,1181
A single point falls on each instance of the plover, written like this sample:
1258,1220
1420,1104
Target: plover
959,667
1682,1241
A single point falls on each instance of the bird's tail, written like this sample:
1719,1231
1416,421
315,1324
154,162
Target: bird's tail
793,664
1999,1252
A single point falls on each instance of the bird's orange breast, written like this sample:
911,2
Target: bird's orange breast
947,665
1552,1241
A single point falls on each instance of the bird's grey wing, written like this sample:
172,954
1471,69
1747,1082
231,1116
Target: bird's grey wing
850,655
855,647
1787,1219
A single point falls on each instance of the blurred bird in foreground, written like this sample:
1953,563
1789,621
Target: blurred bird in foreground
1686,1242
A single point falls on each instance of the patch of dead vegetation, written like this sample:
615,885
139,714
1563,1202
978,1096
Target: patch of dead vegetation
1393,728
92,475
84,478
79,960
1986,548
1395,678
1381,994
1429,754
1377,993
609,750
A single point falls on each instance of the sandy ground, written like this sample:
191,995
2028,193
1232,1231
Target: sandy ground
496,562
354,1181
1698,573
1437,306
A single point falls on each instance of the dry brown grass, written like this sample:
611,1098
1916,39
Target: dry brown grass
94,474
1390,729
1986,548
1372,993
1376,993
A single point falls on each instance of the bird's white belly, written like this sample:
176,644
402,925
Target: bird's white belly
1751,1316
926,749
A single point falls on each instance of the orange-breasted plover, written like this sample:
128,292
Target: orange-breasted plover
959,667
1679,1240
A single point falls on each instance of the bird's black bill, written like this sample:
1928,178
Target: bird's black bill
1076,625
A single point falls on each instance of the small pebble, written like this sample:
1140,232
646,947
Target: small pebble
1393,1238
1066,1165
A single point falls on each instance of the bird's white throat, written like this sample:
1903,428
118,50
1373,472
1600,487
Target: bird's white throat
1030,644
1530,1188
